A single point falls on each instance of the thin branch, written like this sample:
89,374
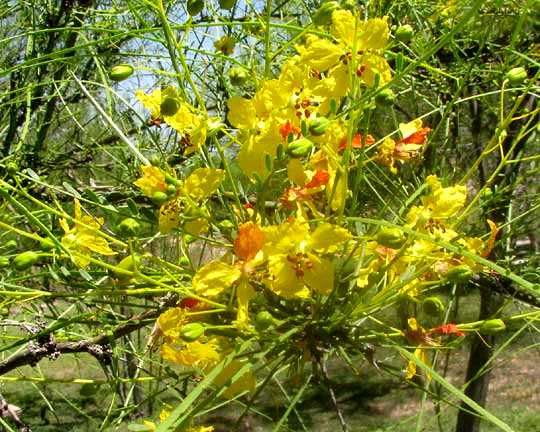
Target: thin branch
98,346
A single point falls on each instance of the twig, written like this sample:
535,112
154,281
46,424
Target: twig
97,346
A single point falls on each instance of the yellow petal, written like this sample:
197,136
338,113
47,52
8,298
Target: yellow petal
407,129
320,54
296,173
169,216
151,101
327,237
214,278
284,281
241,113
197,227
203,182
170,322
244,293
343,26
374,34
320,276
153,180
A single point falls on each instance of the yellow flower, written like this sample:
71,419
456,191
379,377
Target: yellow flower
367,37
197,353
153,180
217,276
406,149
417,335
296,263
200,185
439,205
192,128
84,238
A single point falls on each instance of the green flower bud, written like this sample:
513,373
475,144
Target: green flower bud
171,191
433,306
129,227
404,33
191,331
169,106
188,238
12,168
227,4
385,98
46,244
238,76
263,320
300,147
516,76
25,260
318,126
129,263
171,180
391,237
4,261
492,326
120,72
159,198
195,7
155,160
323,16
10,244
459,274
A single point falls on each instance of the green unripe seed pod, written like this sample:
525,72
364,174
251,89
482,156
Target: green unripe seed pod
195,7
25,260
516,76
129,263
300,147
169,106
459,274
188,239
238,76
155,160
404,33
323,15
191,331
318,126
263,320
227,4
12,168
10,244
392,238
171,191
159,198
46,244
120,72
129,227
433,306
492,326
385,98
4,261
171,180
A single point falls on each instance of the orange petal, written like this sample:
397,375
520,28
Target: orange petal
249,241
417,137
492,237
320,178
448,329
356,142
